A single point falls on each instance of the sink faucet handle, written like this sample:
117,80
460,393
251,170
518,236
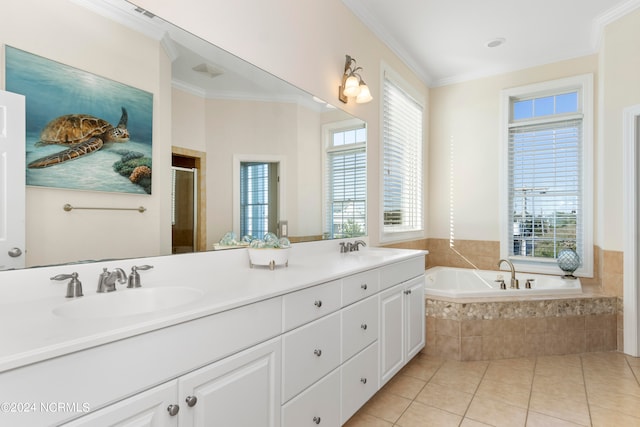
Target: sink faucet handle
74,287
134,277
358,243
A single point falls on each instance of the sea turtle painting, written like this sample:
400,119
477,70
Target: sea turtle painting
82,133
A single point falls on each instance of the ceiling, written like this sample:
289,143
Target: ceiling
444,42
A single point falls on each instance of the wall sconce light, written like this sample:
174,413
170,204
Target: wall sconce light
352,83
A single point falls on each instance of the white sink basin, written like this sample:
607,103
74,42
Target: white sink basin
371,252
127,302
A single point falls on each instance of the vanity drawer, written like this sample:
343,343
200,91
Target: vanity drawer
399,272
359,326
309,353
309,304
360,286
318,405
359,380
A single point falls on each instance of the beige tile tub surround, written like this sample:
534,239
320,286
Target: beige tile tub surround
607,280
591,389
490,330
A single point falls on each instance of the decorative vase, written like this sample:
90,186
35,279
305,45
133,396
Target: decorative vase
568,261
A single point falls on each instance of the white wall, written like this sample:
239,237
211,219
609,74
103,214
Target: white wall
64,32
620,83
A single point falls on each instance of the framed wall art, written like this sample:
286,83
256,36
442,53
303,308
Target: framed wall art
84,131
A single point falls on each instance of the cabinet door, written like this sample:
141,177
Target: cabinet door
415,317
241,390
392,335
148,409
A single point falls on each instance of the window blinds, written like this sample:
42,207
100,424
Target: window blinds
545,193
254,199
402,163
346,181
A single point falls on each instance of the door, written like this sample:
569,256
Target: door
146,409
392,336
415,316
241,390
12,180
184,208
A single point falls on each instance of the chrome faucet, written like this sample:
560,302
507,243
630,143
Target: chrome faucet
351,246
356,245
514,281
107,279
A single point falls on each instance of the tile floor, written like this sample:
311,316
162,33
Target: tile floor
590,389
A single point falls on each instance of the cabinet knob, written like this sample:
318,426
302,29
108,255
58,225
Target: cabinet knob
316,420
407,292
363,380
191,401
173,410
364,286
318,303
317,352
364,326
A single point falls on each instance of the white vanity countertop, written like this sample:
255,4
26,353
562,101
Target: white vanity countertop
32,332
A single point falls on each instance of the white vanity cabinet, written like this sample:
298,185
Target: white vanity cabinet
306,357
402,326
241,390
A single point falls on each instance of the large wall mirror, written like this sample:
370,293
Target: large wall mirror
209,108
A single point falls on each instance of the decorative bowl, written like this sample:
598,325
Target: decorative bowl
268,256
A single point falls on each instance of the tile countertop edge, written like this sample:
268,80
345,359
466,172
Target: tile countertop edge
314,273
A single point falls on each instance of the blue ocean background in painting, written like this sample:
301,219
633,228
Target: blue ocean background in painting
52,90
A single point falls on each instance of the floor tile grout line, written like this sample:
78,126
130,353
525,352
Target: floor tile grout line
533,378
586,392
474,393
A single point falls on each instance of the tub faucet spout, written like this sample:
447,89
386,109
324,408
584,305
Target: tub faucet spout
514,281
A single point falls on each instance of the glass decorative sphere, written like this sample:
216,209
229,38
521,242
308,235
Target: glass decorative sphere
568,261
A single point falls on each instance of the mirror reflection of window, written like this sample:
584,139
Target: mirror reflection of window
345,197
258,198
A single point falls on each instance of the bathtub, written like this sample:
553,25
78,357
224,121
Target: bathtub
464,282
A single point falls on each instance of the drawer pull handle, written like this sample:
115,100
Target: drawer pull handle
364,286
363,380
364,326
407,292
318,303
316,420
173,410
191,401
317,352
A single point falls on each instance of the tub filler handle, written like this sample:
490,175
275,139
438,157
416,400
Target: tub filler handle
502,284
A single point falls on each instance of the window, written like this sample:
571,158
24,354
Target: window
258,208
345,180
402,135
548,150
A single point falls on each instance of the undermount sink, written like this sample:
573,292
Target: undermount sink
371,252
127,302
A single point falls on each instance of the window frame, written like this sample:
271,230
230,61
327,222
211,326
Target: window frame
327,131
386,72
584,85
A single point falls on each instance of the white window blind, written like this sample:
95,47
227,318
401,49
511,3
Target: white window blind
402,160
254,198
545,191
346,183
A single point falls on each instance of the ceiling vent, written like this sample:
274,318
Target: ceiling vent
145,12
208,70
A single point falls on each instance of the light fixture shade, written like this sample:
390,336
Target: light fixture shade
351,86
365,95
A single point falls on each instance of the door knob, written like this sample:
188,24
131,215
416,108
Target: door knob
14,252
